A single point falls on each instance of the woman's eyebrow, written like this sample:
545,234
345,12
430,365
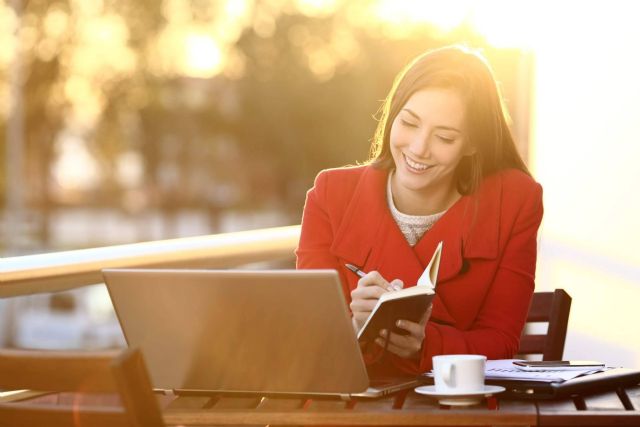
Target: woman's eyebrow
412,113
448,128
438,127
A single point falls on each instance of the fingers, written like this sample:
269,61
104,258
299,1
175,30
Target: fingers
407,346
370,288
360,317
397,284
368,292
427,316
415,329
366,295
375,279
403,346
401,351
362,305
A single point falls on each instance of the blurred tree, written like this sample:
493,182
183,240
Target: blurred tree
203,104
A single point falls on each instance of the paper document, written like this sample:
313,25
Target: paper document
503,369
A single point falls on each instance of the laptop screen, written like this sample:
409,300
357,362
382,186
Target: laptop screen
277,331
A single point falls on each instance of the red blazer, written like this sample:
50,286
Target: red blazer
486,276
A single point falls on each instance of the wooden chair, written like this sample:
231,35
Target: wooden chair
553,308
123,376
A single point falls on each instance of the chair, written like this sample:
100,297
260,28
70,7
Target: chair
87,374
553,308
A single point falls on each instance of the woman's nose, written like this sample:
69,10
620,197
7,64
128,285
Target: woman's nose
420,146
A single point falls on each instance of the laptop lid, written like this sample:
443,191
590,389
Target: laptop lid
268,332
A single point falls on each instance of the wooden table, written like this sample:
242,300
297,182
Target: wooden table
620,407
611,408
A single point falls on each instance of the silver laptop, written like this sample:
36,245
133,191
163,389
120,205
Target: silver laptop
277,332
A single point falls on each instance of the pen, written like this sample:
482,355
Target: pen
356,270
361,274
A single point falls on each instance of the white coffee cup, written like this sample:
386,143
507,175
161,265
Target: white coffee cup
459,373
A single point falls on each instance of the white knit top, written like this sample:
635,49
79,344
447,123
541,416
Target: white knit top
413,227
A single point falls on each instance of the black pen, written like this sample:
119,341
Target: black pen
361,274
356,270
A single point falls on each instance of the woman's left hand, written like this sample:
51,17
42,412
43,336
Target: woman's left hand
407,346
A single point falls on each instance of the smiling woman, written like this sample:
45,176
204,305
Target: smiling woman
444,169
427,144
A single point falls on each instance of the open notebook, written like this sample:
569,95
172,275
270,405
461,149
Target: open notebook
284,332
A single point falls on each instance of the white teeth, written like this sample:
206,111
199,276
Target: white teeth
414,165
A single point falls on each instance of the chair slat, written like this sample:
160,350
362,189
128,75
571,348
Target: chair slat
540,309
532,344
117,389
52,416
59,371
553,308
135,388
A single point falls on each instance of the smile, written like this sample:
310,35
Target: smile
415,166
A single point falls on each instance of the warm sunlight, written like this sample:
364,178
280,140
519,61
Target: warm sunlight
316,7
403,15
520,30
75,168
8,24
584,152
203,57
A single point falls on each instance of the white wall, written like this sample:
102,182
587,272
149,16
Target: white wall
585,151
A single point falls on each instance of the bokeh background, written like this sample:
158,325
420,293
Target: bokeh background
127,121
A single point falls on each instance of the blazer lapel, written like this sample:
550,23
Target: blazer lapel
448,230
482,219
361,223
368,235
469,229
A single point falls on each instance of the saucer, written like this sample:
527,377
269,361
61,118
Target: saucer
459,399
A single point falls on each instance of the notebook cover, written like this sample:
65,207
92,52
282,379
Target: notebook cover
410,308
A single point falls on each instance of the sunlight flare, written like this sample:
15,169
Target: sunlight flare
203,57
401,14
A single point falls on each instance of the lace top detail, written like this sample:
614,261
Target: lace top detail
413,227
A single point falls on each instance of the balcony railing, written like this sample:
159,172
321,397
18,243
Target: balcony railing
71,269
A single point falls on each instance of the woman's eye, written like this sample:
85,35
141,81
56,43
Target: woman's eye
409,124
445,139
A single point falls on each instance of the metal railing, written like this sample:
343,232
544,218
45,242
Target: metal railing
71,269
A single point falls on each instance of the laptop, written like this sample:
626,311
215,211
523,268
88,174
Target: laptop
277,332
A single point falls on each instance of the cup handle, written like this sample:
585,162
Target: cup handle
447,374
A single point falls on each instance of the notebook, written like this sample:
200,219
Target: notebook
609,379
277,332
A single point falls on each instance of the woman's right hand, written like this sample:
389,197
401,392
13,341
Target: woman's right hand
365,296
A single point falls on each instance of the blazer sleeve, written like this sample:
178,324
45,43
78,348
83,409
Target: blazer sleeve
314,247
498,326
317,233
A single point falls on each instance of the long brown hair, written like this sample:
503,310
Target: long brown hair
466,71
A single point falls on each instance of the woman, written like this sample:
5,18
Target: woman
444,168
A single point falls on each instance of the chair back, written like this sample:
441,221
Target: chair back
552,308
101,375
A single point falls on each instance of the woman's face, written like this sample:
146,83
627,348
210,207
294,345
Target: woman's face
428,141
